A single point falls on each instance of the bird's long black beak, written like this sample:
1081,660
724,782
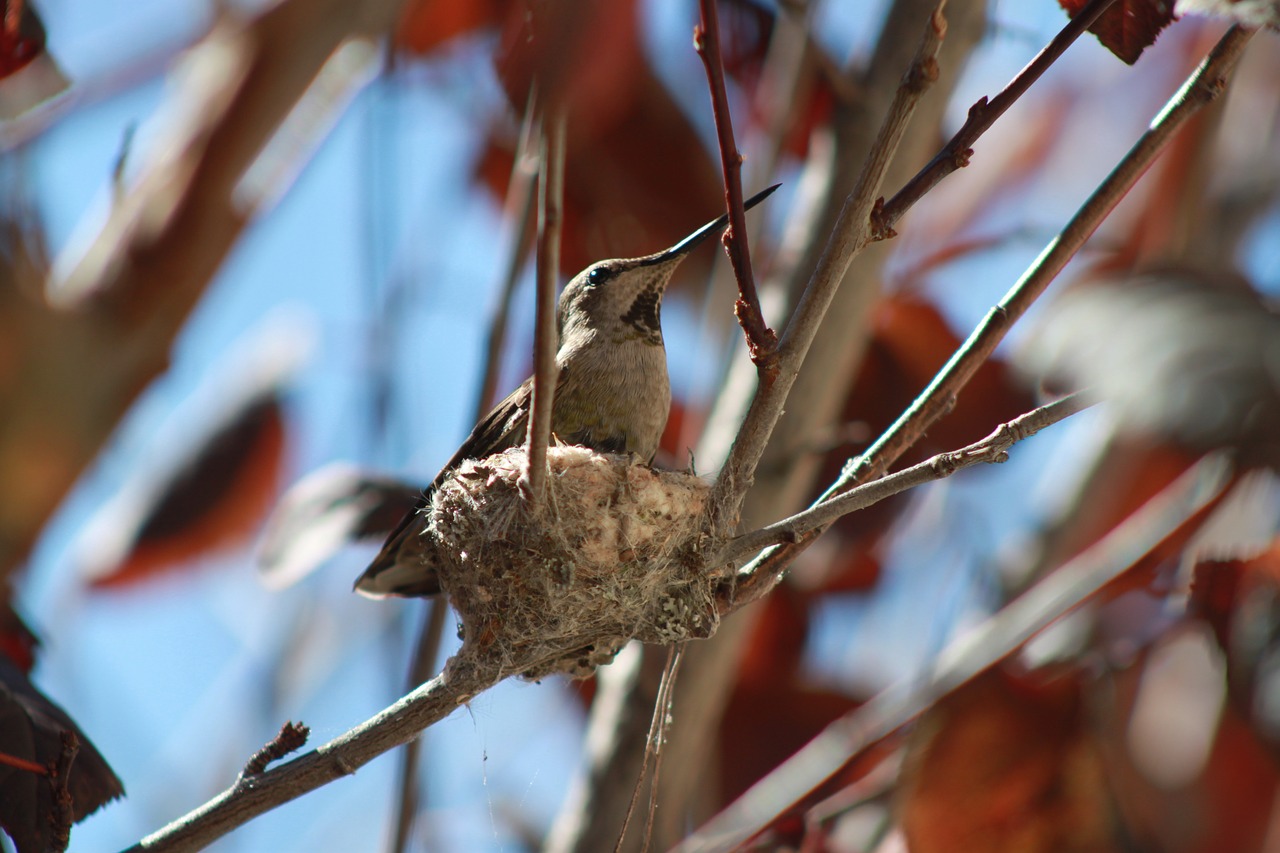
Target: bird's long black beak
714,227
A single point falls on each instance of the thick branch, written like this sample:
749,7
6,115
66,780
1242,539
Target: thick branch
1203,86
956,153
851,234
992,449
761,340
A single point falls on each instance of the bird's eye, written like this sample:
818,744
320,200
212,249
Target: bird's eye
599,275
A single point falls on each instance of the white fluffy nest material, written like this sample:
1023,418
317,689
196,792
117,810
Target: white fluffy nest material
616,553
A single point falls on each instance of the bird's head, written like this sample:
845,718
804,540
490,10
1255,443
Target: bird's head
622,298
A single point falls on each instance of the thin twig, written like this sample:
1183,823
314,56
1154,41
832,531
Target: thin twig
666,699
851,234
342,756
992,449
550,195
64,812
291,737
653,746
762,342
1161,527
23,764
956,153
1202,87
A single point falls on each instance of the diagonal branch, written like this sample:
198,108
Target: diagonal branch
956,153
1161,527
762,342
461,681
1205,84
992,449
851,234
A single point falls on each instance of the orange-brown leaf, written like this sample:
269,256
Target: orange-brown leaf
215,501
1004,764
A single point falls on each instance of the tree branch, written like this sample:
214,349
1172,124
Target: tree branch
992,449
1160,527
545,344
342,756
956,153
761,340
851,234
1203,86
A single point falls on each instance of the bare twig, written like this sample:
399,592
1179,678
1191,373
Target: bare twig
64,812
1204,84
342,756
550,195
992,449
658,735
1161,526
291,737
23,764
851,234
761,340
653,747
956,153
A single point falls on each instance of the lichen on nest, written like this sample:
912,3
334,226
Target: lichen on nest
616,552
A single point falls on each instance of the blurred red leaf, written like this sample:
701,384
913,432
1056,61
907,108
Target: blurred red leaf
1240,600
215,500
328,509
22,37
638,176
1004,764
1128,27
1226,807
17,642
426,24
772,710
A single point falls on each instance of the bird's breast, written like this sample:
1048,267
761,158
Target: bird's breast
614,397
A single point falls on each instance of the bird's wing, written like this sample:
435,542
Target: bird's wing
502,428
401,567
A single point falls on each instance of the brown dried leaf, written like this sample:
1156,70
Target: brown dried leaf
1128,27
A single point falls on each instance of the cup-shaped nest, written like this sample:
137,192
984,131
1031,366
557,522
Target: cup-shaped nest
614,551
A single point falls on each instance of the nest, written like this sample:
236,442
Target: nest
615,553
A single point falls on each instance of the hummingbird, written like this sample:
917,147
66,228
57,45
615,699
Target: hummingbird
612,396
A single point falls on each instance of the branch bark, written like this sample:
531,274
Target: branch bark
1203,86
545,343
851,234
991,450
342,756
761,340
956,153
1162,527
